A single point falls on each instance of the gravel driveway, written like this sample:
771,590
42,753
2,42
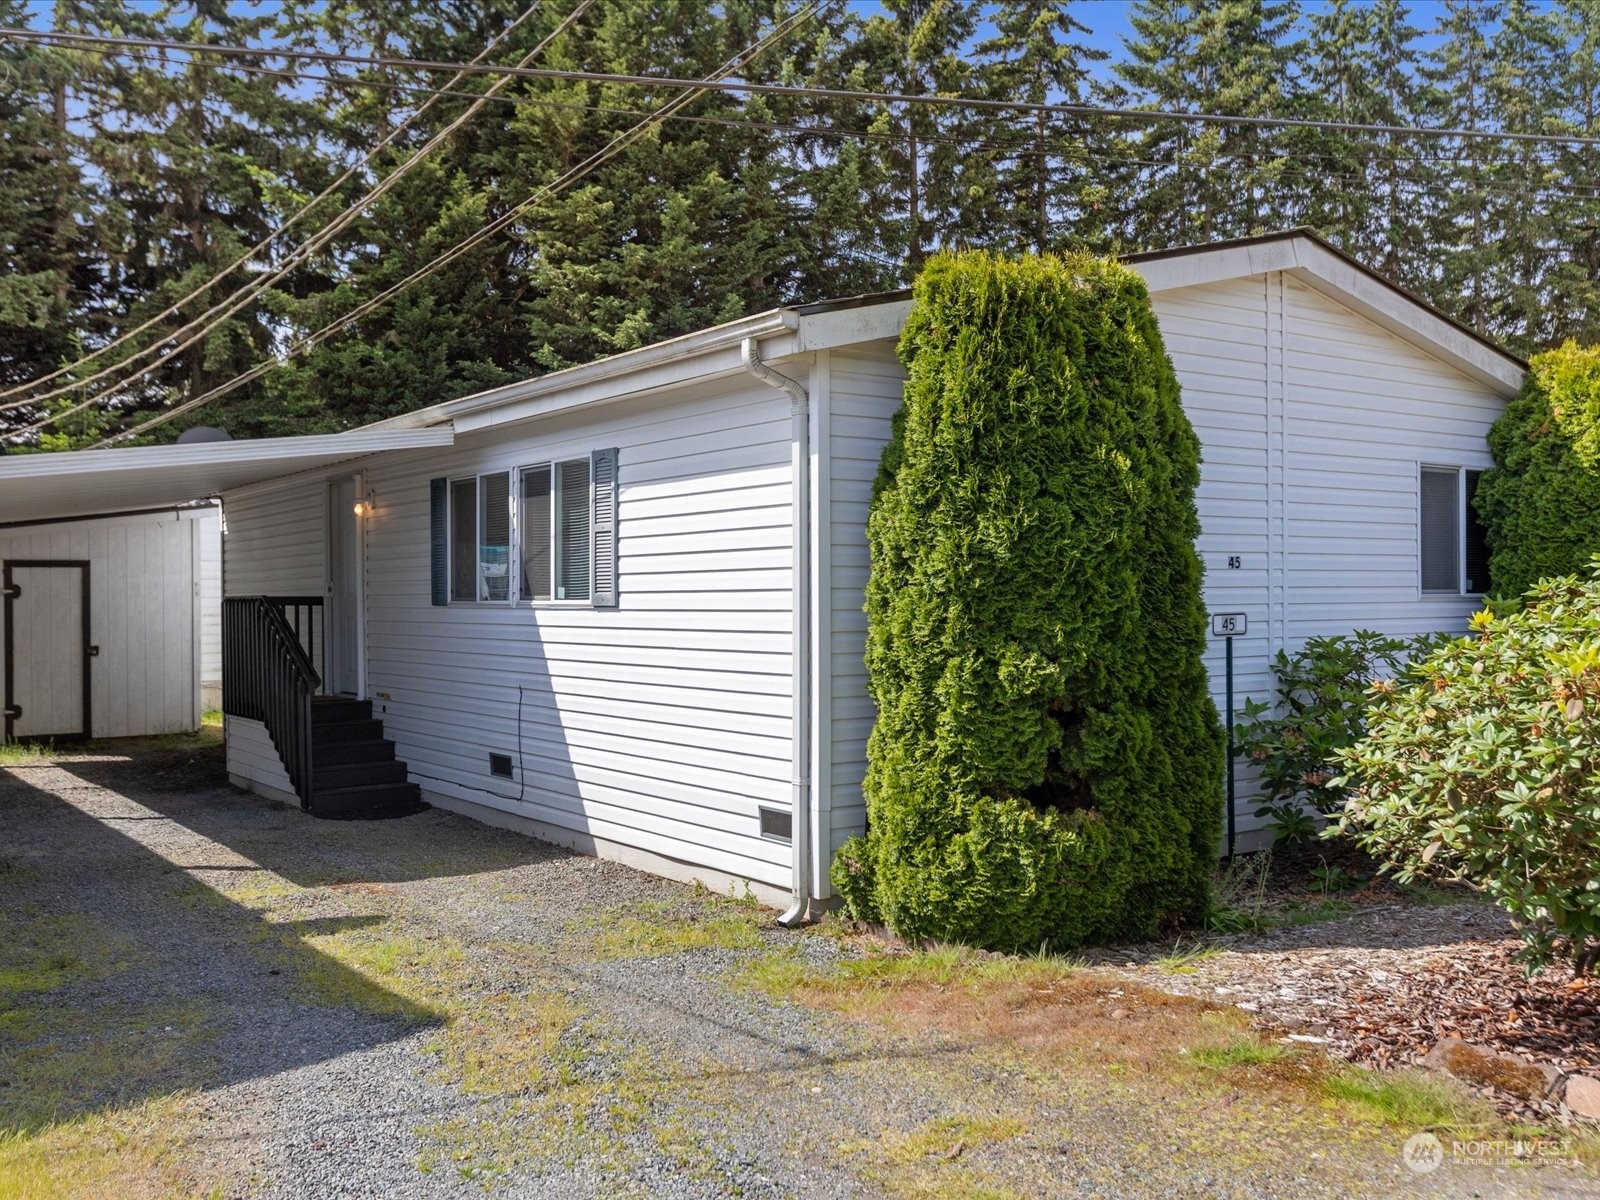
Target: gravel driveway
433,1008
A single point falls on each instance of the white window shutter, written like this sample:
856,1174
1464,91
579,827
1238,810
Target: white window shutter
603,514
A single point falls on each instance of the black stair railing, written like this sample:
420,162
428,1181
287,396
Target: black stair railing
267,674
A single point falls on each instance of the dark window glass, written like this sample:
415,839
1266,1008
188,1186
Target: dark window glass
538,535
1441,530
572,533
494,534
1477,540
464,539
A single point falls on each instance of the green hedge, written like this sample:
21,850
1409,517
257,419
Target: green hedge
1540,505
1046,765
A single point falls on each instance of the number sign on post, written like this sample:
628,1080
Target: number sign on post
1228,626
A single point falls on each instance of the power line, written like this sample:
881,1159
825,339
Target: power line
614,147
207,323
1027,141
1077,152
173,308
774,89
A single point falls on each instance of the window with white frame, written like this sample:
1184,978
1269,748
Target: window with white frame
556,530
1454,551
480,538
542,533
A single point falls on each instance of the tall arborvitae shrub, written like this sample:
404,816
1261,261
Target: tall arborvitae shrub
1046,764
1540,505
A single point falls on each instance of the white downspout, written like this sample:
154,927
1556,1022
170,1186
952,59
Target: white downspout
803,908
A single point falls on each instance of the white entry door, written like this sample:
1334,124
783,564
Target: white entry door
47,649
344,590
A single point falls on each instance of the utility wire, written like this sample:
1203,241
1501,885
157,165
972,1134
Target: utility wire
774,89
1024,143
207,323
176,306
614,147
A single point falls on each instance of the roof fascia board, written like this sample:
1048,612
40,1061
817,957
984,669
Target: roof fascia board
705,366
287,450
1330,274
609,376
829,330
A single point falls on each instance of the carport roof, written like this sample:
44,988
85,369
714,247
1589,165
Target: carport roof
88,482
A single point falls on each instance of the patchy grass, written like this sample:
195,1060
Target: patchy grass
1410,1099
25,754
657,929
787,974
183,739
211,716
67,1062
1186,962
498,1023
947,1137
42,954
1242,1050
135,1153
927,1162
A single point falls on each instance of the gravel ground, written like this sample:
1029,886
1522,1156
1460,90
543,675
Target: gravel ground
213,931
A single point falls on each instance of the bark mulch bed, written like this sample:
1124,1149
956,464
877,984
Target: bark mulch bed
1384,984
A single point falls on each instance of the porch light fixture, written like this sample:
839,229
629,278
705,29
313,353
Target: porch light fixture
365,505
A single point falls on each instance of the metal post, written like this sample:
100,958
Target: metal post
1228,642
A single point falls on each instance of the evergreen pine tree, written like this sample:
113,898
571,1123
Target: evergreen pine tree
1206,182
1047,191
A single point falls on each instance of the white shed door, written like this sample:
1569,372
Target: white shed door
46,625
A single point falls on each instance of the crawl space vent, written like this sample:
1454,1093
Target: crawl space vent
777,824
500,764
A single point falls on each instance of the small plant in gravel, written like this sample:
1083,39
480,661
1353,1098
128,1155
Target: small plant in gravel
1318,709
1239,893
1479,765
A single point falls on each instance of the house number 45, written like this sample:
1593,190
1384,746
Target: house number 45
1235,561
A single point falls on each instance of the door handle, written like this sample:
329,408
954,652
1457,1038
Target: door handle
13,713
94,651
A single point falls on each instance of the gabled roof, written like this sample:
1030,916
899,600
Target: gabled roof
97,481
800,328
1321,265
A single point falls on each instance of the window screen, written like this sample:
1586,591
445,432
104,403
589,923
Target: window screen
1441,529
538,534
494,538
572,533
464,539
1477,540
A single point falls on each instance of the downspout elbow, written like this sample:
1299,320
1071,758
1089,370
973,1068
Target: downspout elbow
804,906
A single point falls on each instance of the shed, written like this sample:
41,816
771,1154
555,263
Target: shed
110,618
110,626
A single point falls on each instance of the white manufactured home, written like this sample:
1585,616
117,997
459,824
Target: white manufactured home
620,606
110,625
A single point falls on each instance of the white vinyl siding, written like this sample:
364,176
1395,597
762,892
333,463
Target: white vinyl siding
145,589
660,724
274,539
865,389
209,533
1313,422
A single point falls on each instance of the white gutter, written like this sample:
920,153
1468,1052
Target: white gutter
689,345
804,907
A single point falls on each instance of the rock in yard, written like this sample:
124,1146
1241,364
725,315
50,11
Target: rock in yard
1583,1095
1496,1068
